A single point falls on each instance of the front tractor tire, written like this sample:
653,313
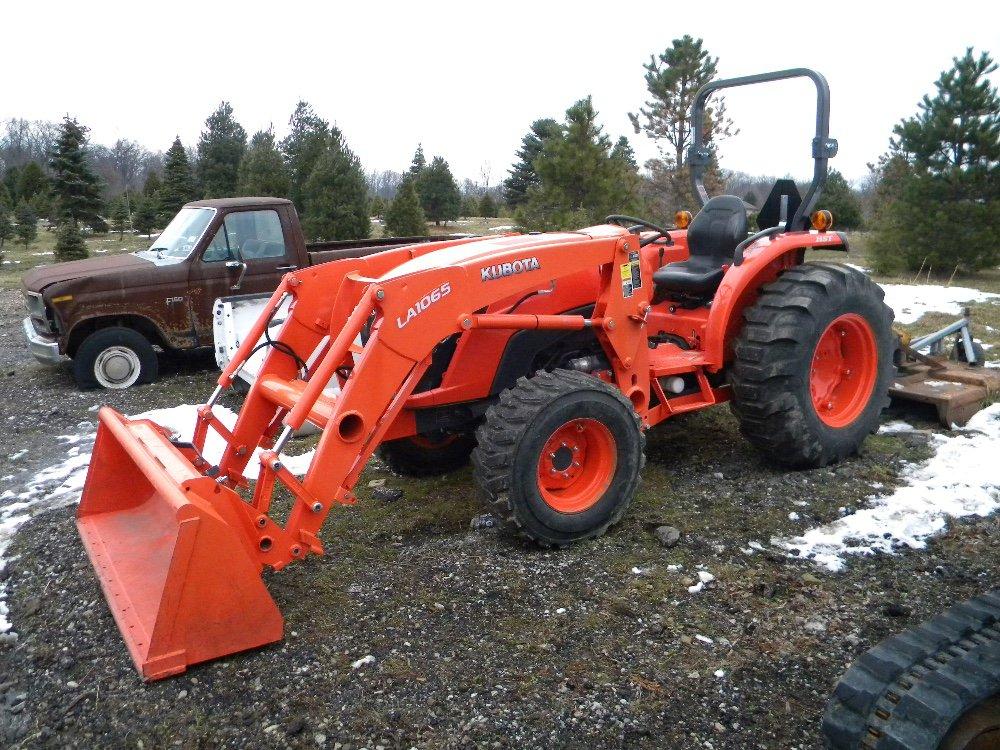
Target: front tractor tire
115,357
558,457
813,365
427,455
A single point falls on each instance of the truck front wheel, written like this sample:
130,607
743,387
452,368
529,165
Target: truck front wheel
115,357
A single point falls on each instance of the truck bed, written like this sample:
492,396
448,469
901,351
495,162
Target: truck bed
324,252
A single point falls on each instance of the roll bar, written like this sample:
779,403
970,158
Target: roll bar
823,146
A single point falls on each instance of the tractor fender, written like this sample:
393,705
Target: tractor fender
763,262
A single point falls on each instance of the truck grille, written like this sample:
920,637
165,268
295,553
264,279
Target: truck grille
37,312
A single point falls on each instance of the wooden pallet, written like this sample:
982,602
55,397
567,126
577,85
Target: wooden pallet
957,390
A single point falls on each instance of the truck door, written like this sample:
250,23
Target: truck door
248,255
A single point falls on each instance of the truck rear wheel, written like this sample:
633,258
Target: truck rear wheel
427,455
813,365
116,358
558,458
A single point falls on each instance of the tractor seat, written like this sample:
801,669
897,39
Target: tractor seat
712,239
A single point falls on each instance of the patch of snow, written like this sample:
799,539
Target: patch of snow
895,426
793,516
60,484
40,255
504,228
703,577
910,301
720,673
363,661
704,639
960,479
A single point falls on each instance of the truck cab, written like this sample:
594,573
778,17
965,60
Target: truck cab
111,314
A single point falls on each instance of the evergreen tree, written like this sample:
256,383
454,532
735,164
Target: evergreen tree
32,182
11,177
522,174
751,198
468,206
5,198
580,179
419,163
488,205
302,147
672,79
405,217
944,171
119,217
377,207
840,199
220,150
624,153
69,243
144,214
76,188
151,188
262,171
178,183
335,196
27,224
6,227
439,194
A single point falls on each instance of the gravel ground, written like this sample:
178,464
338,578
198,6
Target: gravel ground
477,640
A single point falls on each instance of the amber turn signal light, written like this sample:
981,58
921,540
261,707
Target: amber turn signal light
682,219
822,220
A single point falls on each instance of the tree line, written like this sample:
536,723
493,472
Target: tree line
932,201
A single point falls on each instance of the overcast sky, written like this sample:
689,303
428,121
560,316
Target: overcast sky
468,78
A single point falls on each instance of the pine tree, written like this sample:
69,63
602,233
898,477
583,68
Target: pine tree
419,163
119,217
6,227
580,179
27,224
69,243
302,147
335,196
469,206
262,171
488,205
405,217
439,194
672,79
178,185
32,182
751,198
151,188
220,149
76,188
840,199
377,207
11,177
942,171
144,214
5,197
522,174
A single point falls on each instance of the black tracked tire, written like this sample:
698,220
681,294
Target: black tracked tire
510,443
912,689
103,338
411,459
773,355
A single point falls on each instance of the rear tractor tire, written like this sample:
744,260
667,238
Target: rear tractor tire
559,456
115,358
813,365
427,455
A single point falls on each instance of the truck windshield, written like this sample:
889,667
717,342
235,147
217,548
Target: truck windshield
177,241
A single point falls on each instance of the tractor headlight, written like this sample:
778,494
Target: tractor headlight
682,219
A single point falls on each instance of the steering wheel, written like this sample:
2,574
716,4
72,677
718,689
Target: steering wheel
632,224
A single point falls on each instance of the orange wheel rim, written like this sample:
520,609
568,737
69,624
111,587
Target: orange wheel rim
843,370
576,465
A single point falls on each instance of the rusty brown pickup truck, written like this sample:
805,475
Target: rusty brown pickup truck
110,314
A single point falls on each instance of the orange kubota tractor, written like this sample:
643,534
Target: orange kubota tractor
544,356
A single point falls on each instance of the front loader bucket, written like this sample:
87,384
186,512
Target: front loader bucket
175,566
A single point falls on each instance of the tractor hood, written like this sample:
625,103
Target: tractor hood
491,246
108,270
